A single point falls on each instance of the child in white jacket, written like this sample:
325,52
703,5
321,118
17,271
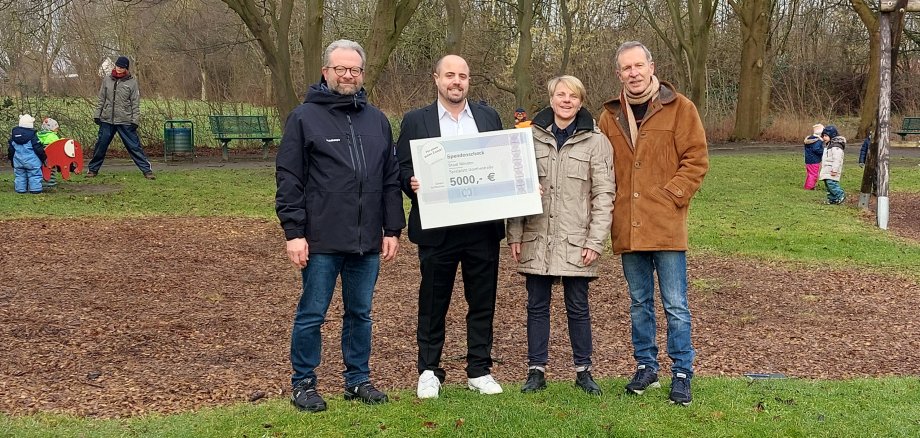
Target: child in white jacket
832,164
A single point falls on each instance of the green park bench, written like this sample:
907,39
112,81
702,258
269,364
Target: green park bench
910,125
225,128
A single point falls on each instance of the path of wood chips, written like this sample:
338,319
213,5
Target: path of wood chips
108,318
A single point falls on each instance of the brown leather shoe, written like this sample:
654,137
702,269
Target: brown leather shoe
90,174
150,175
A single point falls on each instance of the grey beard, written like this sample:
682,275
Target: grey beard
338,88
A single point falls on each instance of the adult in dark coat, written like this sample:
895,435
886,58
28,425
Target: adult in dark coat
341,216
441,250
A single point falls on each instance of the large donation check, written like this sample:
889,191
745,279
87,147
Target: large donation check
475,178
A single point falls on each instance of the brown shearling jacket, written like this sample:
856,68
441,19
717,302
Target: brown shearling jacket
658,175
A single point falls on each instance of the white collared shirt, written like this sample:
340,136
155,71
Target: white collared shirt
464,124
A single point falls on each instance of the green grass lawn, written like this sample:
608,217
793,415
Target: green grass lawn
205,192
750,205
754,205
721,407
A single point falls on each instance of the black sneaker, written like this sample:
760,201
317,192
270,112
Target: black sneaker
644,378
305,397
584,381
366,393
536,381
680,390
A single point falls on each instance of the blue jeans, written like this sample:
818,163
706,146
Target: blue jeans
359,275
835,193
128,134
539,294
639,268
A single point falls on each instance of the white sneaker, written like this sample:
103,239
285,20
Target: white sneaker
485,385
428,385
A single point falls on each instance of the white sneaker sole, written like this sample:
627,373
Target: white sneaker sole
642,391
483,391
427,394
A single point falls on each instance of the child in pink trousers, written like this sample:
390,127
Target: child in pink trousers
814,150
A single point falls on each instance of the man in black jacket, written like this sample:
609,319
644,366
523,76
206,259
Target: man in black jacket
340,205
441,250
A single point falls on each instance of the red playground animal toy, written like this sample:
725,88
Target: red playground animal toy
65,154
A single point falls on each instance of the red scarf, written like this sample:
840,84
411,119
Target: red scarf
116,75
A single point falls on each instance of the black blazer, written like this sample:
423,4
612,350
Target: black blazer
423,123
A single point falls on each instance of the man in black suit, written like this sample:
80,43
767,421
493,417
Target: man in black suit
440,250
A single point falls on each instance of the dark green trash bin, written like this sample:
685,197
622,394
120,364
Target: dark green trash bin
178,138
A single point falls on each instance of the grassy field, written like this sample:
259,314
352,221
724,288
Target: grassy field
722,407
750,205
754,205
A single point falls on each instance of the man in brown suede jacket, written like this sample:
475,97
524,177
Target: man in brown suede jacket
660,157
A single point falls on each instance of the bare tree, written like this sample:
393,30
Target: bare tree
521,72
687,39
311,39
869,111
566,16
389,20
754,17
453,42
269,21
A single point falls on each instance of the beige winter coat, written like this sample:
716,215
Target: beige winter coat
832,160
578,191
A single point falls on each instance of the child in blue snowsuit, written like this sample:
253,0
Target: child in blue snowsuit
27,154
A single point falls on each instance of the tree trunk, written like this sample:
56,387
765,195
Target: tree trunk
754,17
311,40
390,18
868,113
566,16
203,72
271,28
523,77
453,42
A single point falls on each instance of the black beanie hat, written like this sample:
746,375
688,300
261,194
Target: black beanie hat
830,131
122,62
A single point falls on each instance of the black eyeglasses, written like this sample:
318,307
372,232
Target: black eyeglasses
340,71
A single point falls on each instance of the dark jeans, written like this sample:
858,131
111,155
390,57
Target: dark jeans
578,312
128,134
359,275
478,259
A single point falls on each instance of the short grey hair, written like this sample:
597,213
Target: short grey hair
343,44
631,45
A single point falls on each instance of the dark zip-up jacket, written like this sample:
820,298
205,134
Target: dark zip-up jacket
337,174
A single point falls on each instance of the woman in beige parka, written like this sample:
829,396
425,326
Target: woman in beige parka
574,161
